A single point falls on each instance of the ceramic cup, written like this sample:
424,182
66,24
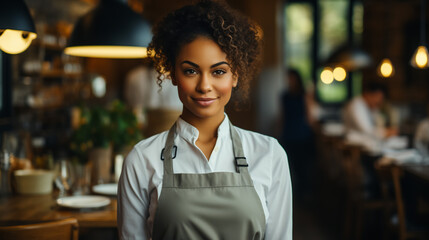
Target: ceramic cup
34,181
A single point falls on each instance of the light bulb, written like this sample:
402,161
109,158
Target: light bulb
107,51
420,58
339,74
385,69
327,76
15,41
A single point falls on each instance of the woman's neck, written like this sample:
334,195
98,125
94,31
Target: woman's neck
207,128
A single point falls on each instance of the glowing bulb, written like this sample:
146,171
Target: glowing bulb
15,41
385,68
107,51
340,74
327,76
420,57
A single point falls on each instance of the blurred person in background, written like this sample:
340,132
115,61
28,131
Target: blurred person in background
363,114
369,121
297,137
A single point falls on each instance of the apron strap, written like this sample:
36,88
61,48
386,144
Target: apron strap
240,159
167,153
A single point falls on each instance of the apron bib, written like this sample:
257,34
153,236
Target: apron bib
219,205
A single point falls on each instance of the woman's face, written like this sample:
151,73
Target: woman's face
204,80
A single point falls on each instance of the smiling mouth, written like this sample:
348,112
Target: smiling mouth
204,101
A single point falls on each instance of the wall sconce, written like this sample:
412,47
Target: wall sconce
16,27
110,30
420,56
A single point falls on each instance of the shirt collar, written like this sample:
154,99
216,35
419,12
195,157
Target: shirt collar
191,133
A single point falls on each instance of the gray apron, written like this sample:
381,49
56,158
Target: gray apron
219,205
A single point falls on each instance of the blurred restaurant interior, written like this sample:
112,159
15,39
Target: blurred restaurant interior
70,115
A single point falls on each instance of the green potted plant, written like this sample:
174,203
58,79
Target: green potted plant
103,130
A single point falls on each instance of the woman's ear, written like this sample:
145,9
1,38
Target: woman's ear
235,81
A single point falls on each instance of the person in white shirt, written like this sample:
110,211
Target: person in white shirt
205,178
361,113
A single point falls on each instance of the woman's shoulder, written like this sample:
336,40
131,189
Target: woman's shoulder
148,148
152,140
262,150
255,138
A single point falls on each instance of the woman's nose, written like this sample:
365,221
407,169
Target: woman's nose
204,84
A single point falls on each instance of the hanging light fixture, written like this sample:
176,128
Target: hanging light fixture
420,56
16,27
110,30
385,69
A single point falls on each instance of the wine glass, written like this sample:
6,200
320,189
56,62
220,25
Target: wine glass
64,176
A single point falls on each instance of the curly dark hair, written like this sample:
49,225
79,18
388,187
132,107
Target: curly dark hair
236,35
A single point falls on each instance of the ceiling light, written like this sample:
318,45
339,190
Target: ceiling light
16,27
110,30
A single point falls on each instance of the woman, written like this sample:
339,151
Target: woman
297,134
204,178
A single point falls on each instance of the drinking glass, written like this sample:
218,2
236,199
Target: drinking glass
64,176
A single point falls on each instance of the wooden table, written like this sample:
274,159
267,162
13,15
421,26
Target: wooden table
25,209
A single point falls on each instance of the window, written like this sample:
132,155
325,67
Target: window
313,30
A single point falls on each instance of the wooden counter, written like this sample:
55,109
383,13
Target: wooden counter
25,209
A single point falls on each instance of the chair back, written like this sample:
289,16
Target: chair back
61,229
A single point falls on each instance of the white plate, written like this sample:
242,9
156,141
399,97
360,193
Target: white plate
106,189
83,201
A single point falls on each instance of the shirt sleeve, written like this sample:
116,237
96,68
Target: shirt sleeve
132,199
361,117
279,197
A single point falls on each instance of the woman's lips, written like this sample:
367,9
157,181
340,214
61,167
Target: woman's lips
204,101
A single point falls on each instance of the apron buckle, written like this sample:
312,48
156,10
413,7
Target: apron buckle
173,153
240,162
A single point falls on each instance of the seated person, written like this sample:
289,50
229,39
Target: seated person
362,112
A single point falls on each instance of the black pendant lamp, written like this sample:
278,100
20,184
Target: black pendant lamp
16,27
110,30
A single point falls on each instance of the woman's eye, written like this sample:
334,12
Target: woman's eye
219,72
189,71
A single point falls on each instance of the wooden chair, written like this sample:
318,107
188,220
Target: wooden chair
357,204
404,231
384,174
61,229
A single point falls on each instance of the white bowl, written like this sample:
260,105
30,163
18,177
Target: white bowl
34,181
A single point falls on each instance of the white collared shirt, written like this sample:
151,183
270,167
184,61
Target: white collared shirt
358,117
140,183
